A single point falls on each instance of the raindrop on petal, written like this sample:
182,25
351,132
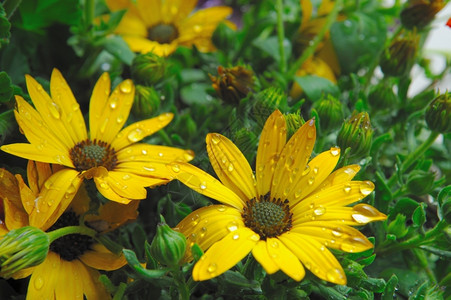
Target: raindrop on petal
55,110
335,275
319,211
366,187
230,167
215,138
232,226
203,186
135,135
212,267
221,208
176,168
335,151
236,237
38,282
254,237
126,86
347,188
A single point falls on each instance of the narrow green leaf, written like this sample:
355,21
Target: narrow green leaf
144,273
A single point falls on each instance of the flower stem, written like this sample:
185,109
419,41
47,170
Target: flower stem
412,157
182,286
56,234
281,36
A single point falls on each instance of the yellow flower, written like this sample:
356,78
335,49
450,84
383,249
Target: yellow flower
160,26
288,214
70,269
56,130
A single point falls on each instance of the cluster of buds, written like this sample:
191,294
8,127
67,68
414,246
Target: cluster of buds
398,58
356,133
233,84
419,13
438,113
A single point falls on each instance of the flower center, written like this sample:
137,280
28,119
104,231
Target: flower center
267,217
90,154
71,246
162,33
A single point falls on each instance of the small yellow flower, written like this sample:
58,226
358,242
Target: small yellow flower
288,214
70,270
56,130
160,26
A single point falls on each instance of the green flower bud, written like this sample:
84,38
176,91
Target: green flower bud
168,246
398,226
398,58
419,13
148,68
438,113
146,102
357,134
294,122
265,102
420,182
233,84
382,96
330,113
22,248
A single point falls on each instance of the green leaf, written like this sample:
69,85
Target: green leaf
444,201
196,251
142,272
405,206
419,216
444,254
237,279
390,288
195,93
115,45
7,124
5,27
6,89
315,87
270,46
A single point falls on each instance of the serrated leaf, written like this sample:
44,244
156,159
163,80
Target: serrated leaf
142,272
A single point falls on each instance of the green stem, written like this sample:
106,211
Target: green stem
89,13
317,40
56,234
281,36
412,157
165,137
180,282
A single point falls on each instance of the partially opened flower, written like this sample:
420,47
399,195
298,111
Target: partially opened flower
56,130
160,26
288,214
70,270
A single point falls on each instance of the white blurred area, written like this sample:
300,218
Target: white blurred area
437,49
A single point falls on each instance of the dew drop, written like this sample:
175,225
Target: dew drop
366,210
319,211
275,244
144,152
308,265
176,168
315,170
195,220
230,168
39,282
212,267
232,226
236,237
221,208
203,232
215,138
150,169
126,177
113,103
119,119
322,248
188,155
203,185
361,219
135,135
55,110
366,187
104,185
126,86
311,180
337,232
306,170
160,154
335,151
298,193
347,188
335,275
254,237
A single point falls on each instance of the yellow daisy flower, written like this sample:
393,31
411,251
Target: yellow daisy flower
160,26
288,214
56,130
68,272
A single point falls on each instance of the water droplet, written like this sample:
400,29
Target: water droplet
298,193
203,232
144,152
203,186
308,265
319,211
176,168
335,275
150,169
221,208
160,154
315,170
135,135
366,210
104,185
254,237
236,237
113,103
275,244
311,180
126,177
337,232
335,151
55,110
40,147
332,241
195,220
230,167
322,248
188,155
359,218
120,119
232,226
212,267
126,86
38,282
366,187
347,188
306,170
215,138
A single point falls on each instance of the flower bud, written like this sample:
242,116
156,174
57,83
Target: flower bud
420,182
419,13
146,102
294,122
438,113
22,248
382,96
265,102
168,246
398,58
397,227
233,84
330,113
357,134
148,68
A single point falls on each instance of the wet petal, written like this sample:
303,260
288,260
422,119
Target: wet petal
150,170
112,215
37,174
293,159
208,225
339,176
69,287
101,258
315,257
99,98
174,10
15,217
272,141
33,152
150,153
225,254
139,130
89,278
104,188
285,259
143,45
260,253
205,184
231,166
45,278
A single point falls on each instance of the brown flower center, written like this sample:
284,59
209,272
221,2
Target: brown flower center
267,217
90,154
162,33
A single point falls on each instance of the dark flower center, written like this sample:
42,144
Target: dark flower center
89,154
71,246
267,217
162,33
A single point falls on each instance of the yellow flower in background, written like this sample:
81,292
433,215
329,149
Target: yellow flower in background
160,26
70,270
288,214
121,167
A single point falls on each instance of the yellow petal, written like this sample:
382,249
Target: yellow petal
285,259
111,215
334,235
174,10
37,174
15,216
260,253
103,186
45,278
27,196
339,176
112,116
132,23
68,288
89,278
208,225
315,257
51,112
337,195
70,109
152,153
143,45
9,188
56,195
139,130
231,166
149,170
99,98
224,254
293,159
272,141
205,184
33,152
317,170
307,8
101,258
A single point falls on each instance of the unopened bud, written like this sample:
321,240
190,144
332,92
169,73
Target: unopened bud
398,58
146,102
419,13
233,84
382,96
294,122
168,246
438,113
330,113
397,227
356,133
265,102
420,182
148,69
